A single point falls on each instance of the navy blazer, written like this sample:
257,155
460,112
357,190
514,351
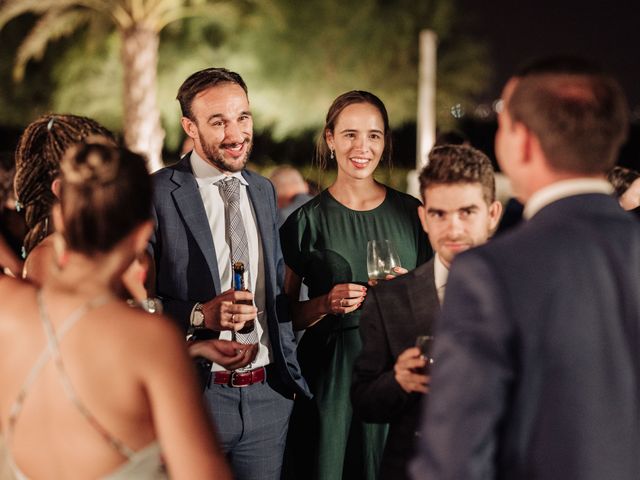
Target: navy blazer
186,264
393,315
537,352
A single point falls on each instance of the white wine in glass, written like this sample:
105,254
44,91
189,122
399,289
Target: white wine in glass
382,258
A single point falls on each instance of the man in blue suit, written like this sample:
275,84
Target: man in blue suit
195,241
537,351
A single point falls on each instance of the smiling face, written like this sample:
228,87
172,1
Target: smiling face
357,140
456,217
222,126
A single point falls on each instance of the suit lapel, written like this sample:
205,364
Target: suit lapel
189,204
423,300
264,219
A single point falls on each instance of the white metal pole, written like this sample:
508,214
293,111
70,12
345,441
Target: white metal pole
426,120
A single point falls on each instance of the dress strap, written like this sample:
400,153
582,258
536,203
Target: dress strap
53,351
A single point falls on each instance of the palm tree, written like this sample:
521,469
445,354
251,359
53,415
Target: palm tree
138,23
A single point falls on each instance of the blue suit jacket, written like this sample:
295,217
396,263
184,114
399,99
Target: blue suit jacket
185,258
537,352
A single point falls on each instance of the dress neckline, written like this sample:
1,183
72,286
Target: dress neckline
372,210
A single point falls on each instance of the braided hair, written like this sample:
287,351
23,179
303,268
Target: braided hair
38,157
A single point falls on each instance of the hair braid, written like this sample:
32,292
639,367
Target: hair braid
38,157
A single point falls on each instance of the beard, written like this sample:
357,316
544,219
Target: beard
215,156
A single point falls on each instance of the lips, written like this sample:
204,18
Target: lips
235,150
359,162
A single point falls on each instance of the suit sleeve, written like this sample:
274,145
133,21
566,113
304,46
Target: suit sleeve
472,376
178,310
375,393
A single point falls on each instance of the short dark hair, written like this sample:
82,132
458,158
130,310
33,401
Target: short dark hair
203,80
97,184
450,164
578,113
621,178
336,108
568,64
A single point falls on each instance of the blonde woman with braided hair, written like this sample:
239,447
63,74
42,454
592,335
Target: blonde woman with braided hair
94,384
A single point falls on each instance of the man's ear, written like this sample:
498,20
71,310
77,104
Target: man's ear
422,214
526,142
189,127
495,213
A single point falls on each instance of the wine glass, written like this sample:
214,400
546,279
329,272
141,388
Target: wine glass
425,344
382,258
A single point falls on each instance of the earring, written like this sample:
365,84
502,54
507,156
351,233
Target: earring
60,251
332,154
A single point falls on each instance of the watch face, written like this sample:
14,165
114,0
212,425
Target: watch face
198,318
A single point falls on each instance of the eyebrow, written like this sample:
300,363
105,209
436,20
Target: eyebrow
473,206
220,115
353,130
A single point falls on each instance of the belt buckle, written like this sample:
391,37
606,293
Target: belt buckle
233,379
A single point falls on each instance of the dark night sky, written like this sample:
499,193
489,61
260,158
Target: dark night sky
516,30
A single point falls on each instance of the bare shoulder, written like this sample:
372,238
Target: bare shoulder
39,261
13,292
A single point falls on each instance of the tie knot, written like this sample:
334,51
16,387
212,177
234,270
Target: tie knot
229,187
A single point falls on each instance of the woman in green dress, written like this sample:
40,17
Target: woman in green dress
325,246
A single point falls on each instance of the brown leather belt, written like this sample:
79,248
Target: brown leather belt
240,379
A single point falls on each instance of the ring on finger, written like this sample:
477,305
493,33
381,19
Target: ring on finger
233,318
341,302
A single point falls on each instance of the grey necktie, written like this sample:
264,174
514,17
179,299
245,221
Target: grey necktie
236,237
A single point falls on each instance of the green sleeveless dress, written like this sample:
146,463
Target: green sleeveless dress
325,243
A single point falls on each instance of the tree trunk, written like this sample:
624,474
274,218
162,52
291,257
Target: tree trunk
143,132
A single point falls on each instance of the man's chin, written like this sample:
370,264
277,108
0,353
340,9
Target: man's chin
230,165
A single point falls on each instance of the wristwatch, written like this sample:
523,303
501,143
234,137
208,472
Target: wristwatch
197,316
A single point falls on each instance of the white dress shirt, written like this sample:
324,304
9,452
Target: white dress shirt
206,176
440,274
563,189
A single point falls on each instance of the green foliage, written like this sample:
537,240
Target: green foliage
310,54
295,56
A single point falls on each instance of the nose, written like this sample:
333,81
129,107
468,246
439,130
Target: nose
455,225
361,142
233,133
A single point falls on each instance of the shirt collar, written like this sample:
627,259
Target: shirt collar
207,174
440,272
563,189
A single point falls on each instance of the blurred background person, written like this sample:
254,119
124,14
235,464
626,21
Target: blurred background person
324,245
12,227
61,344
292,190
38,156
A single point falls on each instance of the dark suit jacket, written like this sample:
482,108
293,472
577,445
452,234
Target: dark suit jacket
393,315
537,352
186,265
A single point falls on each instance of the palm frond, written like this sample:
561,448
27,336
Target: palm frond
52,26
206,10
11,9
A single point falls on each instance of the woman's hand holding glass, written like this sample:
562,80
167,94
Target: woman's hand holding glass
383,261
345,298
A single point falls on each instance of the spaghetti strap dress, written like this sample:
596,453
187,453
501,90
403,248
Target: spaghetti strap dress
143,464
